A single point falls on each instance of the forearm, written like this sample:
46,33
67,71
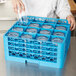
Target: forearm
63,9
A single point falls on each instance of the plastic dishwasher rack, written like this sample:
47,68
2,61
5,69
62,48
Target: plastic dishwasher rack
23,46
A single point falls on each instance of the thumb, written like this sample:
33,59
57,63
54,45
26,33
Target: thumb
69,21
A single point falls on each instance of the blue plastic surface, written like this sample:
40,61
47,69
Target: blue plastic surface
21,45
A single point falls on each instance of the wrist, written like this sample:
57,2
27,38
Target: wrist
70,16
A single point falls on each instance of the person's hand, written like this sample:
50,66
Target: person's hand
18,5
71,20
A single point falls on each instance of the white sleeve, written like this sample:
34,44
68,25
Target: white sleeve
63,9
